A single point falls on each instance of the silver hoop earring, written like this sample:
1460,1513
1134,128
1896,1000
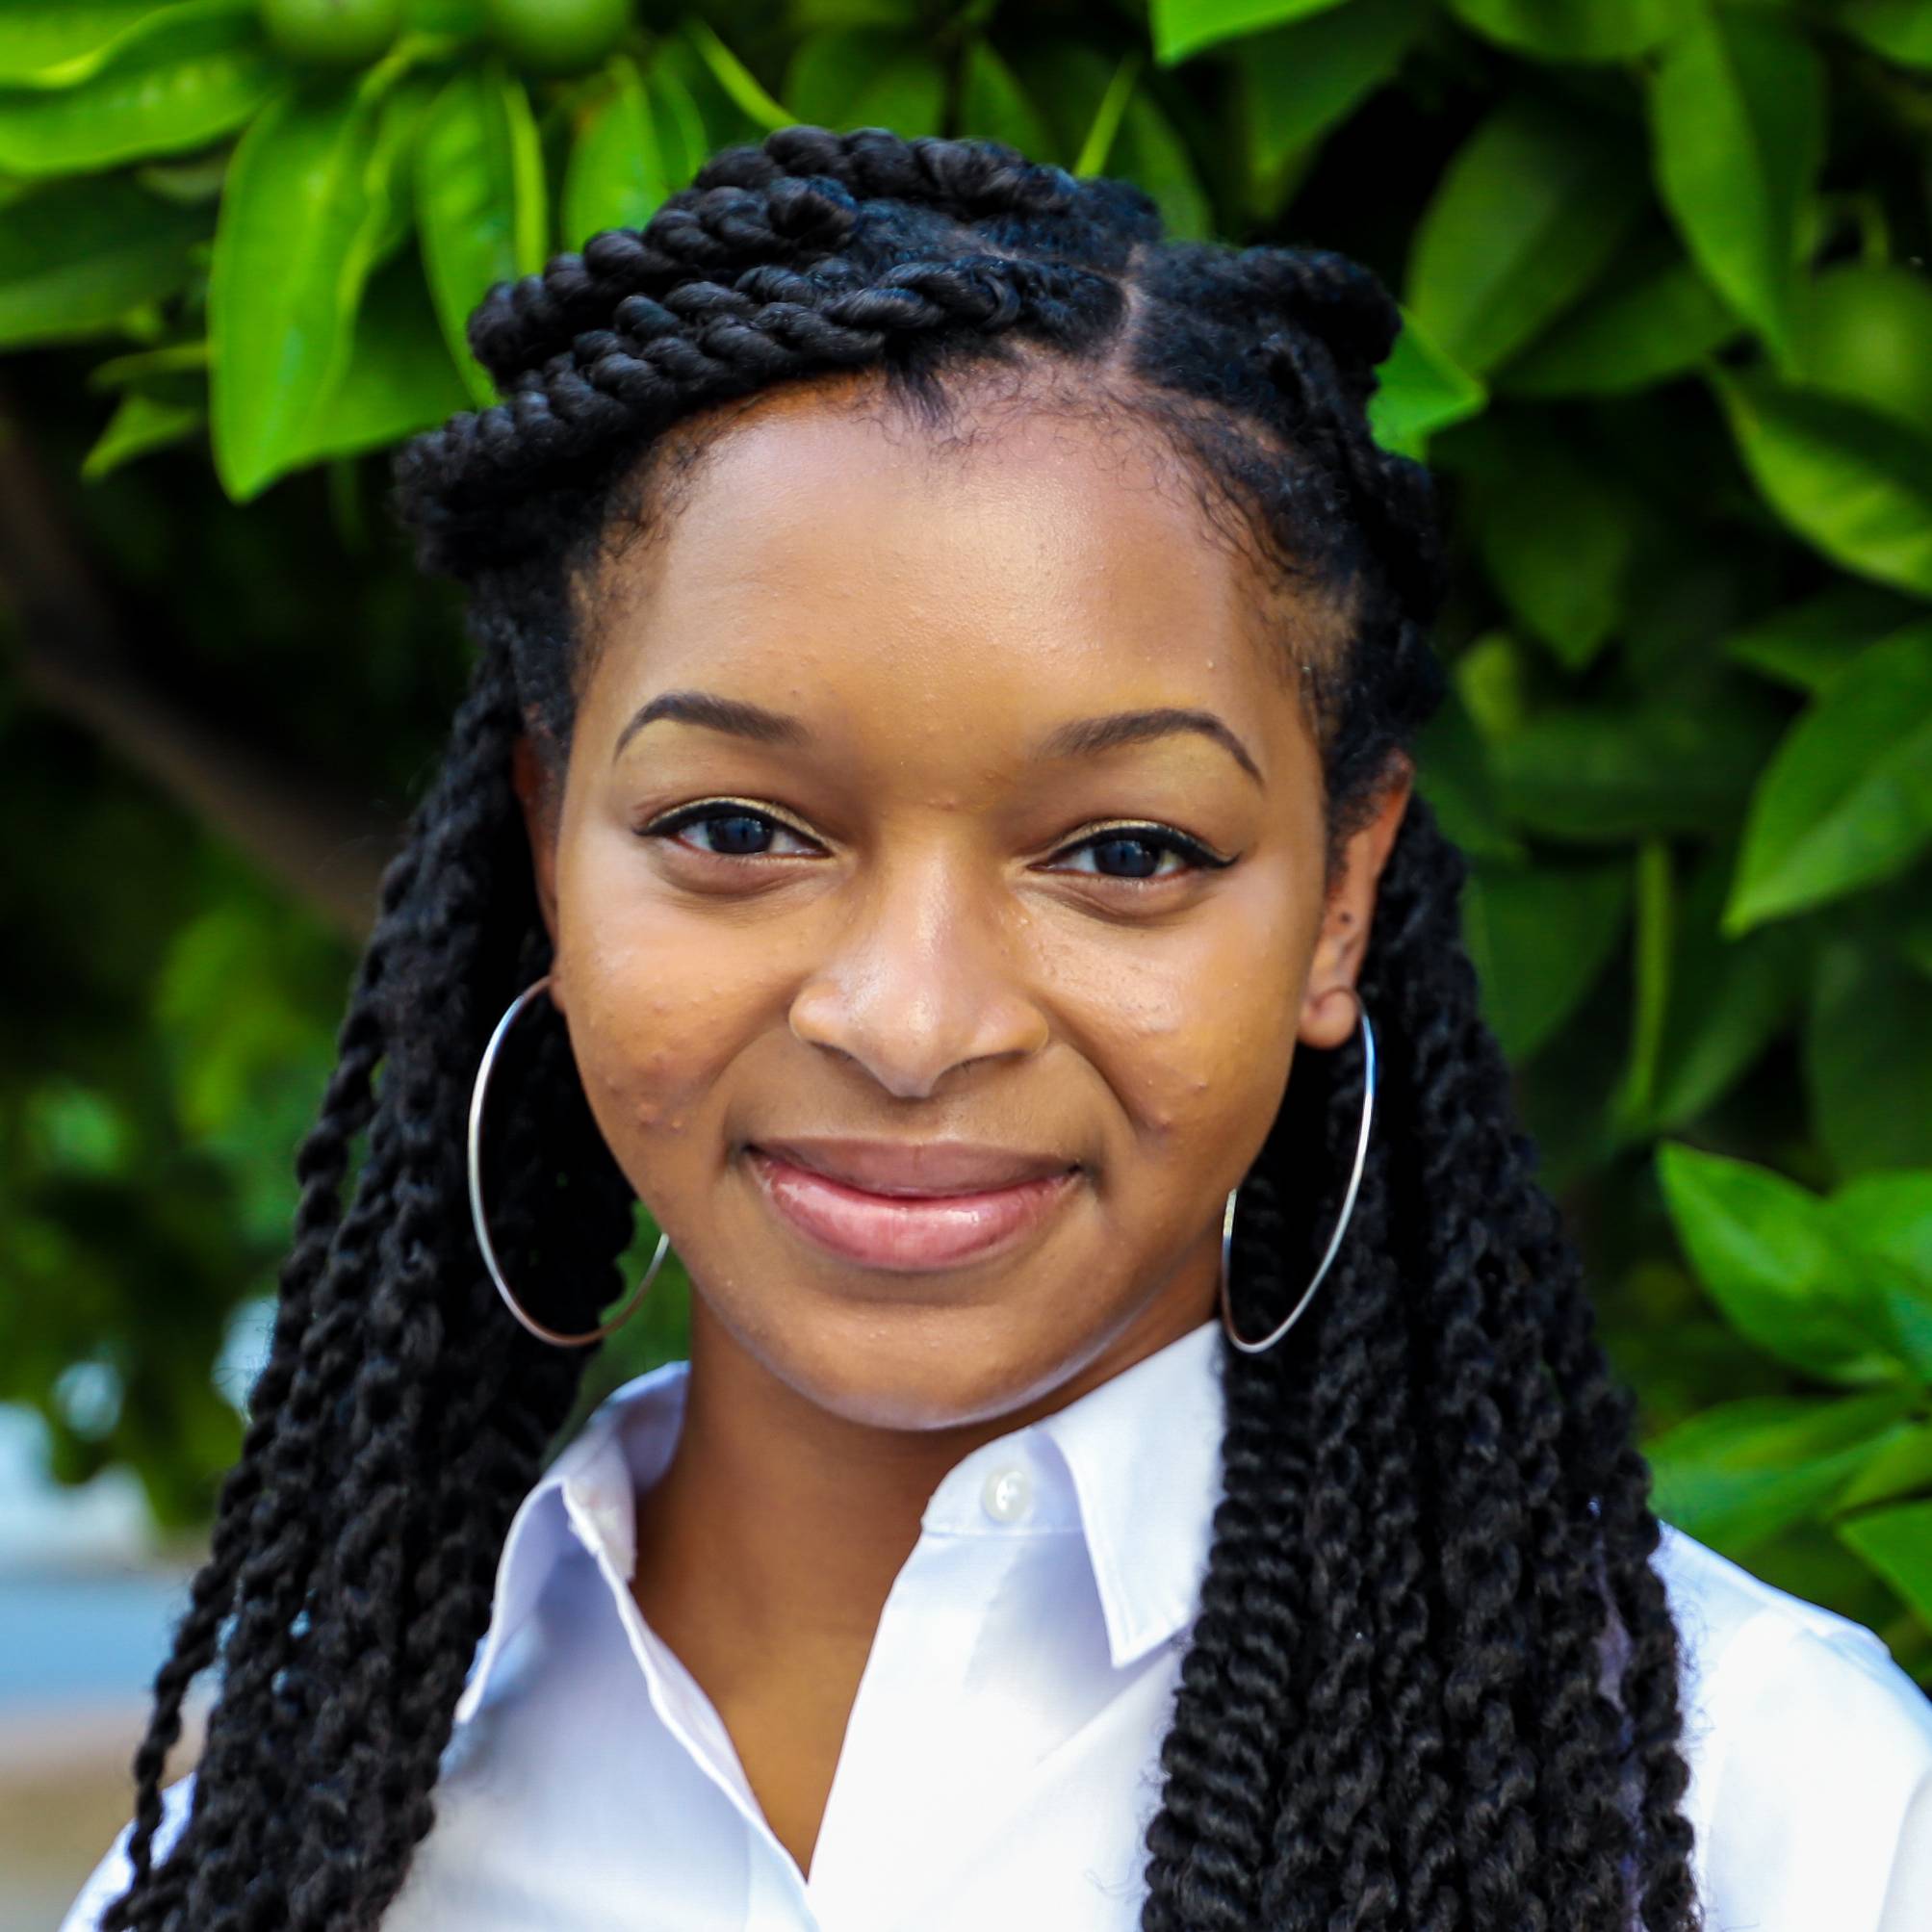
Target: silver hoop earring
476,1092
1293,1314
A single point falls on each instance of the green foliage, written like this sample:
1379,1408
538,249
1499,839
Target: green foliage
332,32
78,255
173,79
618,171
1841,1288
304,216
479,197
1737,113
1531,210
558,37
1848,797
1663,268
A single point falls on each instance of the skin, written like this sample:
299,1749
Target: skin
925,950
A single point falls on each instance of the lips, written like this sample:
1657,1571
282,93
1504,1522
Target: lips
915,1167
909,1206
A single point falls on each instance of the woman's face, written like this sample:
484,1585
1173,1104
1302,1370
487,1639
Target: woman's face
937,890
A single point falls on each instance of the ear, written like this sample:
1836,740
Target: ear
1328,1007
536,794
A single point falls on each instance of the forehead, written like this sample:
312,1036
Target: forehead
824,532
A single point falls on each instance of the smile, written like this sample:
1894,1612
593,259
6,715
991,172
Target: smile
908,1208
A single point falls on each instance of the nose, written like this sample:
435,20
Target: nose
921,980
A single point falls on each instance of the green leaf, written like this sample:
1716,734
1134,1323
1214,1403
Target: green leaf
192,74
1452,773
140,424
1867,1057
1887,1219
1745,1470
172,358
616,176
1737,106
400,377
1855,484
1299,81
1889,1215
1419,390
1653,956
1108,114
76,255
1861,333
1609,772
1184,27
1533,206
1150,152
1065,80
57,43
480,200
993,105
1539,938
1558,537
1806,645
1847,799
1490,676
1728,1001
1902,1468
1769,1252
1575,30
681,127
1897,1543
741,86
301,222
847,77
1901,29
1630,333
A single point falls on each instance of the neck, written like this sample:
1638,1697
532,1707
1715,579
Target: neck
767,1549
779,1525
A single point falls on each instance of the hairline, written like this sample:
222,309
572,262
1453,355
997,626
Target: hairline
958,409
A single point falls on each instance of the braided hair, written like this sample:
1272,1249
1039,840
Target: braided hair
1433,1686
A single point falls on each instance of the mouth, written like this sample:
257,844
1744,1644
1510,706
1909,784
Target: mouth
909,1207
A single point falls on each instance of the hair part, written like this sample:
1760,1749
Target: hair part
1432,1684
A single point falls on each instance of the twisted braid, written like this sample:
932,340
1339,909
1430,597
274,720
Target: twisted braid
1404,1704
794,200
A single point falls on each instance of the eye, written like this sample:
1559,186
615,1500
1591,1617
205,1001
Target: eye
723,828
1140,852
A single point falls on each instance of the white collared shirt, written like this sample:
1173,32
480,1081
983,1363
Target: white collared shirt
1002,1760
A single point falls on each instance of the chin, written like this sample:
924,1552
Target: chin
926,1366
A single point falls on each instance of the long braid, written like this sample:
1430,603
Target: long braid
1403,1706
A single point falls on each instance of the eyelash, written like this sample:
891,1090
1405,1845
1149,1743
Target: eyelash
1163,839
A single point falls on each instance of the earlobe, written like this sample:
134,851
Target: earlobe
1330,1003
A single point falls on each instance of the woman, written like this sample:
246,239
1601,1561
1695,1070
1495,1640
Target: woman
932,820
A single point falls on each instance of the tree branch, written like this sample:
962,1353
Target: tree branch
326,846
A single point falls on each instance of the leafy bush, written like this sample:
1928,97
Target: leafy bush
1667,345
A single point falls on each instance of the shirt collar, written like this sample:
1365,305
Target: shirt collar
1145,1453
1133,1465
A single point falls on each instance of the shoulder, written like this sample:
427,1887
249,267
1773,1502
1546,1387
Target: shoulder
109,1878
1811,1753
1741,1632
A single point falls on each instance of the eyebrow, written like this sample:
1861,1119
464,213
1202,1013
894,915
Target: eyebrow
1082,737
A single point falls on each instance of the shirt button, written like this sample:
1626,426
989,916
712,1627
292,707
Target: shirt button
1007,1494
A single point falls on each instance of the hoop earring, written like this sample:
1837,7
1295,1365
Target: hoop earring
1369,1075
476,1092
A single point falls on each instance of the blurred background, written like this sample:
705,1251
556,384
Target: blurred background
1668,348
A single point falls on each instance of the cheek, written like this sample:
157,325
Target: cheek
1185,1064
656,1008
1196,1032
